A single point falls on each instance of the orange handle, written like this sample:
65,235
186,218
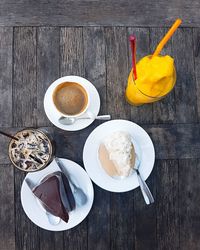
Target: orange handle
167,37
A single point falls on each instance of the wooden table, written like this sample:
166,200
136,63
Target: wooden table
31,58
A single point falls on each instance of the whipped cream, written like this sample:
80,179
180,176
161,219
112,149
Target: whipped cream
121,151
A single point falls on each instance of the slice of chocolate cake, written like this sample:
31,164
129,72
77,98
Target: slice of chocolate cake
48,192
65,190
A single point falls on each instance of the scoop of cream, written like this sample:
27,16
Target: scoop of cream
121,151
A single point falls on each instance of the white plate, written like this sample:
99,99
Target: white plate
53,114
37,215
92,163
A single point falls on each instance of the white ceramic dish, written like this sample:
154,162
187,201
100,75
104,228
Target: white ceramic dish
52,113
37,215
93,167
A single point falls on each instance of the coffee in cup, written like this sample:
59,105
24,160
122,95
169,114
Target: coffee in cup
70,98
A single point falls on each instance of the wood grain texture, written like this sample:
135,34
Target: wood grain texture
58,241
70,145
47,240
71,63
4,143
94,61
145,235
196,35
6,42
93,12
95,71
122,221
185,90
189,200
7,212
145,217
167,204
164,110
102,54
48,53
121,206
71,52
26,233
179,141
24,77
142,114
117,72
99,221
171,141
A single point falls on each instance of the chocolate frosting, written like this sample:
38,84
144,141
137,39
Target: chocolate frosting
55,193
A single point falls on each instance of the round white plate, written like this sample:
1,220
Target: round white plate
37,215
92,163
53,114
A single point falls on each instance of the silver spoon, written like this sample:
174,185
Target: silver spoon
148,197
79,195
71,120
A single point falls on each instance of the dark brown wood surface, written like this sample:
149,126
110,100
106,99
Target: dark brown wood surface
98,12
31,59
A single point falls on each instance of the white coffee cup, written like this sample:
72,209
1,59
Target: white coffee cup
72,79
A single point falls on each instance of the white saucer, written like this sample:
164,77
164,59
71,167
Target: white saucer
37,215
53,114
92,163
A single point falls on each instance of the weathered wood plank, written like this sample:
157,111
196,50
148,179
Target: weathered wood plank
76,238
95,71
71,62
117,72
99,220
196,35
70,145
142,114
24,77
145,217
48,39
189,200
121,223
78,13
47,240
26,233
163,110
167,205
71,51
6,41
58,241
7,212
175,141
94,60
185,89
145,235
4,142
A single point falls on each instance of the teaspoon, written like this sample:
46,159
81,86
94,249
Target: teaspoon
148,197
71,120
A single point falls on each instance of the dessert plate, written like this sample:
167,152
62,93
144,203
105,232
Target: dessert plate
93,166
53,114
33,209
